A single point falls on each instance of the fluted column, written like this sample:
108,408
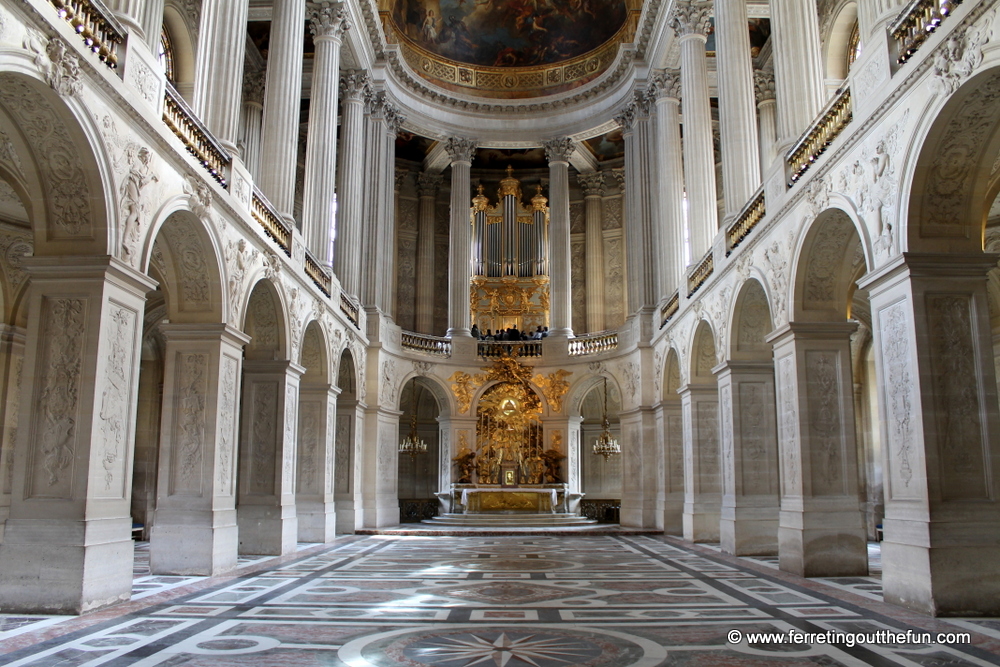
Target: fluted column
129,12
152,23
873,14
593,190
690,22
670,179
767,108
219,70
282,106
461,152
427,186
798,66
328,23
350,183
558,152
253,115
737,115
386,278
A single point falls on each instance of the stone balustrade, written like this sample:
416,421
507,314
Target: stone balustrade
917,22
595,343
820,135
267,217
435,345
183,122
100,30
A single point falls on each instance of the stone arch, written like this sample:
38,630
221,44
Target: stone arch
837,40
314,355
347,374
752,322
418,476
184,48
436,387
703,354
825,268
266,323
953,185
581,388
671,375
66,182
184,256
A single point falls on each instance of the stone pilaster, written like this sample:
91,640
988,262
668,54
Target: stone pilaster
252,122
380,468
670,180
593,190
750,484
195,530
219,68
282,107
798,67
427,185
461,152
351,183
640,444
690,22
767,109
558,152
702,484
268,444
939,419
737,108
821,529
670,422
67,544
348,457
314,496
328,23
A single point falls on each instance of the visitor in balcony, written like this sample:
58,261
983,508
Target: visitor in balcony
475,332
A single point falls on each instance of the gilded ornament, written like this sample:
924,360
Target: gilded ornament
554,387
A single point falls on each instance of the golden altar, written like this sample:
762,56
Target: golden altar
540,499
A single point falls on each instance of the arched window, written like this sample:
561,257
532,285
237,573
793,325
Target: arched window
853,45
166,56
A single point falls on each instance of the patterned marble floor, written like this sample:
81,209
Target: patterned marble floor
524,601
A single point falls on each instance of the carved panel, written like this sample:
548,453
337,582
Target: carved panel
310,463
262,321
956,396
755,321
899,402
116,399
754,464
227,424
826,258
788,429
263,444
708,446
190,266
614,283
578,286
189,424
343,449
291,423
825,410
612,213
406,282
728,445
57,397
675,453
577,218
441,288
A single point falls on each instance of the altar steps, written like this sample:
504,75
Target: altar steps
510,519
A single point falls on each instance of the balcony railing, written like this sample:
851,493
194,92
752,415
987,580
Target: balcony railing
268,218
701,273
670,309
350,309
427,344
594,343
100,30
751,215
917,22
320,274
195,136
820,135
494,349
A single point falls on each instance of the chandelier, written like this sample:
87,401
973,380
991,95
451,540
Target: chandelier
412,443
606,445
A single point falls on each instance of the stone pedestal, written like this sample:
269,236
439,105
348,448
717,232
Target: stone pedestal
939,419
750,500
314,503
68,545
702,486
821,528
266,511
194,531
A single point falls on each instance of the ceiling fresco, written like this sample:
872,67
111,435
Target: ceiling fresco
610,146
509,33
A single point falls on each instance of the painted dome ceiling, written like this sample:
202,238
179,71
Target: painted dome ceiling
510,48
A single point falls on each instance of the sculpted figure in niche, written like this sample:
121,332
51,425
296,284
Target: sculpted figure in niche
465,462
139,176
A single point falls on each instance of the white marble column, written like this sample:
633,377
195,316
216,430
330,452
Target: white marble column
129,12
195,530
669,180
314,495
461,152
67,543
558,152
767,109
821,528
875,14
737,108
939,421
702,484
351,183
252,121
219,68
593,190
798,67
427,185
268,443
387,256
283,105
152,23
328,23
690,22
750,483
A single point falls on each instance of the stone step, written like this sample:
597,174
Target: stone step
509,519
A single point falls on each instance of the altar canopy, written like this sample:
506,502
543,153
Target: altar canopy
510,267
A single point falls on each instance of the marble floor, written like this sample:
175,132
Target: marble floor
532,600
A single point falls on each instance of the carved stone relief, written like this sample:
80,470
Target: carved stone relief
755,321
190,266
239,258
291,426
116,398
309,447
822,377
788,433
612,213
143,80
578,289
263,437
192,384
708,445
389,383
776,259
956,59
59,63
826,258
227,424
728,446
752,426
262,322
898,388
406,281
614,284
631,378
342,446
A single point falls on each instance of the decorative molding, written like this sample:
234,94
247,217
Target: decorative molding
559,150
460,150
328,20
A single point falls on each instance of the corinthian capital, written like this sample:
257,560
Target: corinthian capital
667,83
559,150
691,18
428,183
354,84
592,183
626,117
763,84
253,87
328,19
460,150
